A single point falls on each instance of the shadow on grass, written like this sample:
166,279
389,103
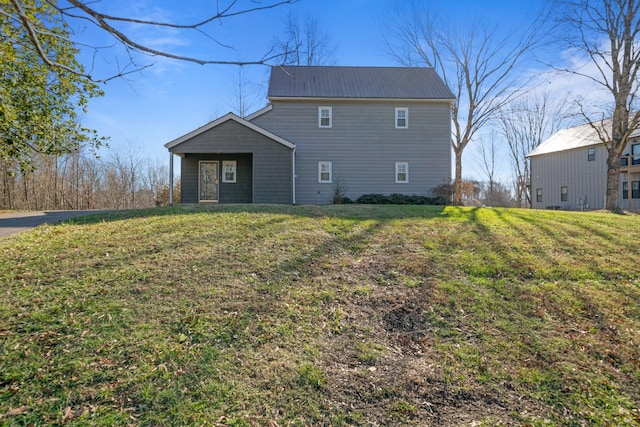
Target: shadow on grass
352,212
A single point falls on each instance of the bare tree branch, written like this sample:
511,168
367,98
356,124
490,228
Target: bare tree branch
83,10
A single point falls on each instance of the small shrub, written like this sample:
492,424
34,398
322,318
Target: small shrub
339,190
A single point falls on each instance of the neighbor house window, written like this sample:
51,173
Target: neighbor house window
591,154
324,172
539,195
229,171
402,172
564,194
402,118
635,190
324,117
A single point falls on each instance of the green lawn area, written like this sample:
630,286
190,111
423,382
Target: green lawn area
325,316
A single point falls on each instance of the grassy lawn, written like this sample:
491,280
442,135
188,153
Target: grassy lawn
334,315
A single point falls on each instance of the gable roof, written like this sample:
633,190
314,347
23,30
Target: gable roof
568,139
574,137
357,83
223,119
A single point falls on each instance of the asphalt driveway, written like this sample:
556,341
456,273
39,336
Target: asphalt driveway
15,222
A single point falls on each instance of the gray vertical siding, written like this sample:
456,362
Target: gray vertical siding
364,145
583,179
264,167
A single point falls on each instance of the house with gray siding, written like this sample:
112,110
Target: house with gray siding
365,129
569,171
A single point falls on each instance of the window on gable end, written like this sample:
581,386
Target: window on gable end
402,118
402,172
591,154
325,119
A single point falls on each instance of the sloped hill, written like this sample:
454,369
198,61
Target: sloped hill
336,315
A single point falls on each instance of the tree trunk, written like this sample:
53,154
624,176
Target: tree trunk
457,185
612,201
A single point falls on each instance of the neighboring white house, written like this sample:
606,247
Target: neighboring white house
369,129
569,171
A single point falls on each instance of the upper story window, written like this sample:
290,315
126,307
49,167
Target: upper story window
402,172
402,118
324,172
591,154
325,117
635,154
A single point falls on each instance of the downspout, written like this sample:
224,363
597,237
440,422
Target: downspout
170,178
293,177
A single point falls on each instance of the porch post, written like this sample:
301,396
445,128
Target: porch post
170,178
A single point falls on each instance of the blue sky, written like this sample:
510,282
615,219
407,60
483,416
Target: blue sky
144,111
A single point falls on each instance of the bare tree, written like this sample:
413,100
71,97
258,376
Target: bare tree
78,13
246,94
305,42
526,123
489,163
478,62
607,32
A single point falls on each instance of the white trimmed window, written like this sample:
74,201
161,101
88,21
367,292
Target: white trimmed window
324,172
402,118
402,172
229,171
325,117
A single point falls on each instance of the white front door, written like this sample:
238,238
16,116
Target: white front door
208,181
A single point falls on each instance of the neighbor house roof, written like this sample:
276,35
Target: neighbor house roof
229,116
357,83
575,137
568,139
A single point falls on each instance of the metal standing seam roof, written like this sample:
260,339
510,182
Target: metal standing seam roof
357,83
568,139
574,137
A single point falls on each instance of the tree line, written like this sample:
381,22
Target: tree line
80,180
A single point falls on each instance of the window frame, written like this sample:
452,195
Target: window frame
406,172
226,163
539,195
320,172
635,190
564,193
591,154
635,154
329,117
406,117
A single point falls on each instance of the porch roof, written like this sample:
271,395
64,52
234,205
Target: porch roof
172,146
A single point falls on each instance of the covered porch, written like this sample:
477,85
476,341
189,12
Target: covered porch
231,160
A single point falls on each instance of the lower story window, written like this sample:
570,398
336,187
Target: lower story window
635,190
324,172
229,171
402,172
539,195
564,194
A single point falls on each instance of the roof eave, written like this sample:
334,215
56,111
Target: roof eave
320,98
